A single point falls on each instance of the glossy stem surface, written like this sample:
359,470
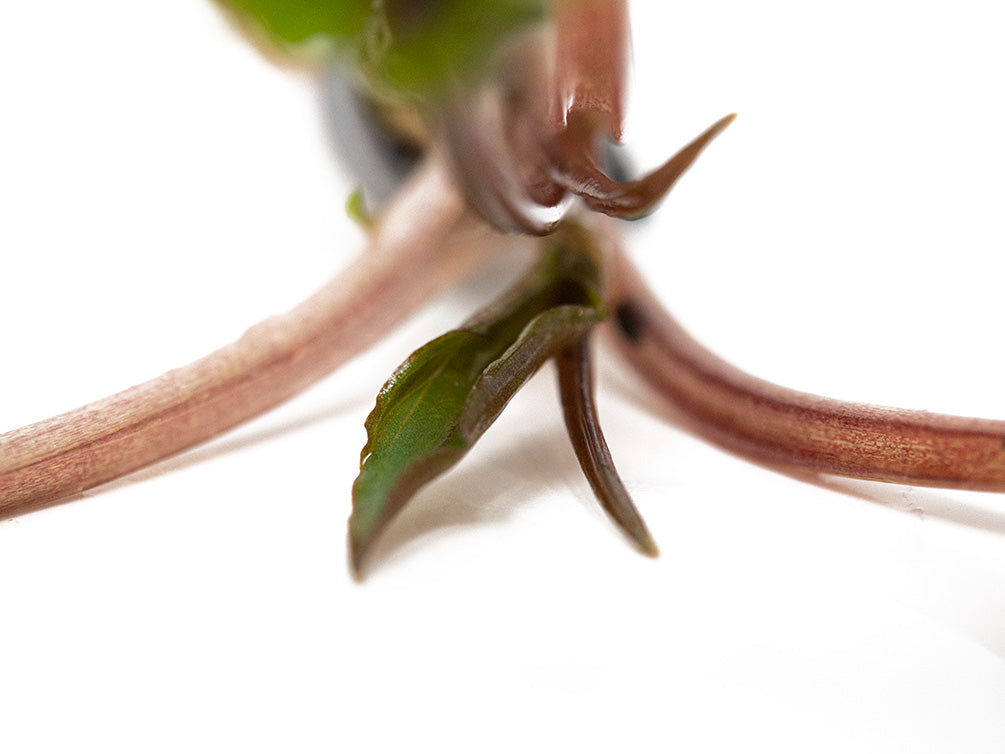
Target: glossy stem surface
776,425
591,61
425,240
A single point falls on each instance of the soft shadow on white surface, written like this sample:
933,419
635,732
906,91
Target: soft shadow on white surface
486,490
965,509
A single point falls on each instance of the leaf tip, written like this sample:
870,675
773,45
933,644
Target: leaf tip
627,518
646,544
358,546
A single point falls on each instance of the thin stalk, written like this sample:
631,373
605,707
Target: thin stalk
591,62
777,425
425,240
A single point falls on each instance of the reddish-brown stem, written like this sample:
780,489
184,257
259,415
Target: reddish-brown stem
425,240
780,426
591,60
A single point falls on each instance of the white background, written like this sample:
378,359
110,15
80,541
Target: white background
162,187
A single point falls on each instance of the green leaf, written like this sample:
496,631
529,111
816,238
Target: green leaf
403,47
446,395
296,26
448,40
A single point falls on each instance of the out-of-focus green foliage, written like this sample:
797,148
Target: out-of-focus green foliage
293,24
403,47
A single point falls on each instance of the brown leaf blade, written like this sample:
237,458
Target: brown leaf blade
577,170
575,379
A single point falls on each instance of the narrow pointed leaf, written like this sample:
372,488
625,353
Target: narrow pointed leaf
577,170
575,379
445,395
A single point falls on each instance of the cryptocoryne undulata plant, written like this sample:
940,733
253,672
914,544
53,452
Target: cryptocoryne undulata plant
506,109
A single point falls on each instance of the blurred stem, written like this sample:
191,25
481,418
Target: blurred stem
591,61
426,240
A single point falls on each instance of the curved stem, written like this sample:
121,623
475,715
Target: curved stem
776,425
425,240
